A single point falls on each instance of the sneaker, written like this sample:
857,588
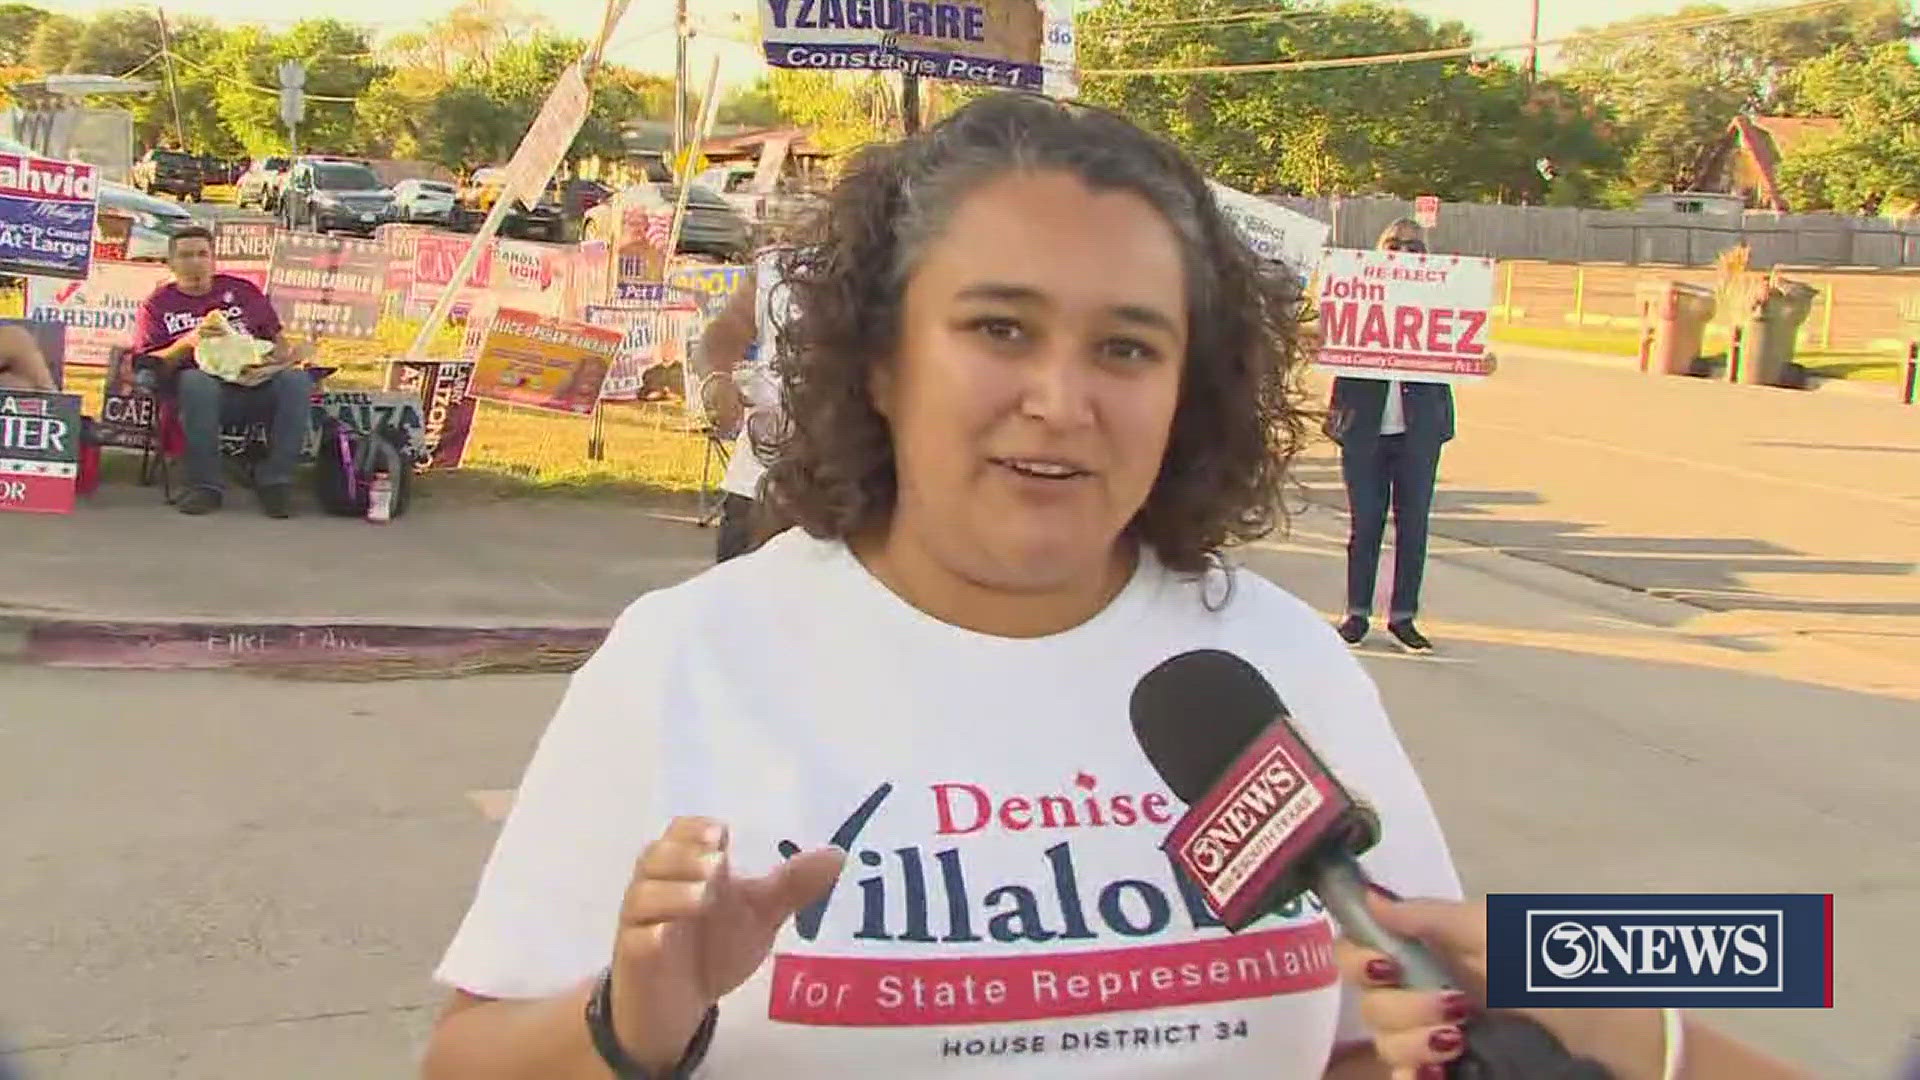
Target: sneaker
276,500
198,501
1354,630
1409,637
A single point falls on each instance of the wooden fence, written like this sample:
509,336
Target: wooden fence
1854,311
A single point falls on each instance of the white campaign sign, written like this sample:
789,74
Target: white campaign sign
1397,315
1274,232
546,142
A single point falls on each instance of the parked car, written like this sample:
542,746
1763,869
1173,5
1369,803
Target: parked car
154,220
174,172
334,195
546,220
424,200
260,184
712,226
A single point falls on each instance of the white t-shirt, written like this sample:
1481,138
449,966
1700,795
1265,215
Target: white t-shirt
1006,910
1393,414
772,307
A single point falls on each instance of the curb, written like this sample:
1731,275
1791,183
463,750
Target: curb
304,650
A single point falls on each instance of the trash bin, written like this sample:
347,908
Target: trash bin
1768,338
1673,325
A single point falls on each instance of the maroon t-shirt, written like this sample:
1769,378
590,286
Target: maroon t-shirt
169,313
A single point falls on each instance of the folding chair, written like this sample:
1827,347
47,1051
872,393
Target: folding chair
166,440
717,454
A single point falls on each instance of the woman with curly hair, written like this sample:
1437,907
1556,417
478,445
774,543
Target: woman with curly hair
865,801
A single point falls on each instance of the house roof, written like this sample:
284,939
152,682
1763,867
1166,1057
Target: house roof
1768,139
747,142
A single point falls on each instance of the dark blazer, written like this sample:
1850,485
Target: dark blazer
1354,414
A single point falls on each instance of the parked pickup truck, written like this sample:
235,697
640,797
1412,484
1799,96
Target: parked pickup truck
172,172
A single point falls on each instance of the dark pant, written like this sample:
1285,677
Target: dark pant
1391,471
736,527
207,403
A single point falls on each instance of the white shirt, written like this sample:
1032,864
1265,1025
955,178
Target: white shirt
759,385
1005,910
1393,415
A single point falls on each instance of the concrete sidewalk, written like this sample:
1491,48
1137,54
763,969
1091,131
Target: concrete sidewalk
1798,513
1776,518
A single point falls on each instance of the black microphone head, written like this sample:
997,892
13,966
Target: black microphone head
1196,712
1221,739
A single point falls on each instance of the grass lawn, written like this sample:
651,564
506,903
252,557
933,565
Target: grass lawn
516,451
1871,367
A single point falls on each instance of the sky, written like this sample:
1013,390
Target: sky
644,39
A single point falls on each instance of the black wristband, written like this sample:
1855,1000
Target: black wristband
607,1043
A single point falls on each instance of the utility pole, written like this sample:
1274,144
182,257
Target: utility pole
910,103
1533,45
679,80
173,85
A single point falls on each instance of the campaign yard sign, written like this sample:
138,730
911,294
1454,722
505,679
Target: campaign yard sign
39,451
1011,44
446,407
98,312
236,241
553,364
47,209
328,286
1400,315
1275,233
639,350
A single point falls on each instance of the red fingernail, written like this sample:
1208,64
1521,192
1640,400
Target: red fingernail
1384,891
1445,1040
1456,1007
1431,1072
1382,970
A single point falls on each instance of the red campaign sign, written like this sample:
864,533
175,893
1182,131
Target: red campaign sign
436,257
846,991
39,451
1398,315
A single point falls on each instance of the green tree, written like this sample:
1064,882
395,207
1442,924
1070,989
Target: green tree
840,110
53,43
340,67
1874,159
1675,91
18,25
750,106
1449,127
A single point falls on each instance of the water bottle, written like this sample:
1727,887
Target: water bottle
380,498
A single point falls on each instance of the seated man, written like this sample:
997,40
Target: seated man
169,326
22,365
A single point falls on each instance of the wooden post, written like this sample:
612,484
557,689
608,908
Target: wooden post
910,104
1826,316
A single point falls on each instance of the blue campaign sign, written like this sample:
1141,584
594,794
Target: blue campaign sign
1726,951
47,212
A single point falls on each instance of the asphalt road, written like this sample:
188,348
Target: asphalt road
220,877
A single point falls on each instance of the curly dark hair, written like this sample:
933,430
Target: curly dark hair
1238,422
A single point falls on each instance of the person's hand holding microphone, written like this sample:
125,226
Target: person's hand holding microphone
1417,1033
691,932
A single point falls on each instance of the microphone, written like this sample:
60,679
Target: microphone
1268,821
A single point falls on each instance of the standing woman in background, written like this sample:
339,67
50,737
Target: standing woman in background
1390,433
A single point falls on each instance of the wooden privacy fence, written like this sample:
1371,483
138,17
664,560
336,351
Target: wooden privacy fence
1641,237
1856,310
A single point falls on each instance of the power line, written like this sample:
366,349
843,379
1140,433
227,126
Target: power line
1274,15
1650,29
257,89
